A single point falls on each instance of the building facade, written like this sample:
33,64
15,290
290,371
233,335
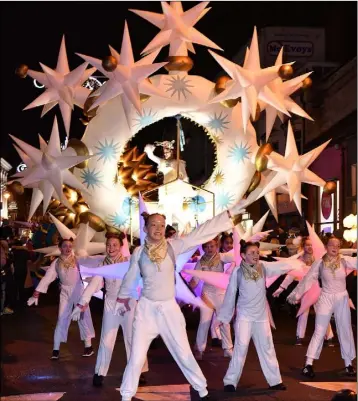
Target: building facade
5,167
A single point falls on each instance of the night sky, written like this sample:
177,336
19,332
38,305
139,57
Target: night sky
31,32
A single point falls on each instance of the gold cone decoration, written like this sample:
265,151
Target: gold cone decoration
220,86
81,150
255,181
261,157
94,221
71,218
179,63
133,175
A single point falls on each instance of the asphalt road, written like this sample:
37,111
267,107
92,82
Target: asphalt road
27,339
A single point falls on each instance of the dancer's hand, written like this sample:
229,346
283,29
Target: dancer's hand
278,292
34,300
291,299
122,306
239,208
76,314
149,148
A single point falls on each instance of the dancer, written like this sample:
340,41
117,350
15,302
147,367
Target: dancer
157,311
213,297
332,271
226,245
110,321
307,258
171,196
66,268
248,280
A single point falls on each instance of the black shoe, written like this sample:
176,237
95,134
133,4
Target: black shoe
142,380
350,371
97,380
215,342
279,386
298,341
229,388
88,351
308,371
55,354
329,343
206,398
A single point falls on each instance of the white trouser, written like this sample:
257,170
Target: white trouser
162,318
339,305
110,326
302,324
215,327
69,297
262,337
213,302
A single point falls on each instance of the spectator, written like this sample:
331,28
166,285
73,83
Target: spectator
21,256
7,289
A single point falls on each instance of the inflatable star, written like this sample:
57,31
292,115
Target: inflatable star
177,28
249,82
292,169
47,170
283,90
82,245
63,87
129,77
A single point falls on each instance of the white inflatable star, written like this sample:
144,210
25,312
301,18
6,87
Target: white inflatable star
292,169
63,87
283,90
177,28
48,170
129,77
249,82
82,245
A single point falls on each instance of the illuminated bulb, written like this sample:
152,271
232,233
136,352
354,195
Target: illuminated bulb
134,176
350,221
83,209
6,195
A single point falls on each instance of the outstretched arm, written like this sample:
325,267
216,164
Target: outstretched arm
193,283
209,230
227,309
306,283
47,279
149,150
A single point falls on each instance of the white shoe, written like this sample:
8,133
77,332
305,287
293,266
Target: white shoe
228,353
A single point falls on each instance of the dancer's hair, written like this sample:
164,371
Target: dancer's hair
168,230
146,216
216,239
62,240
225,235
244,246
329,237
120,236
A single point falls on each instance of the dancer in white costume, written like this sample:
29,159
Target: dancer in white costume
307,258
332,270
157,311
213,297
170,196
248,280
110,321
66,268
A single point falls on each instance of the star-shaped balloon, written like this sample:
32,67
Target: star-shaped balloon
177,28
250,83
292,169
129,78
82,245
270,197
283,90
48,169
63,87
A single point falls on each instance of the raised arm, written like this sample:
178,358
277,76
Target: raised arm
351,262
227,309
227,257
131,278
280,267
149,150
193,283
306,283
94,286
48,278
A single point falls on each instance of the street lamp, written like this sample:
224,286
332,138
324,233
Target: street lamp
7,195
